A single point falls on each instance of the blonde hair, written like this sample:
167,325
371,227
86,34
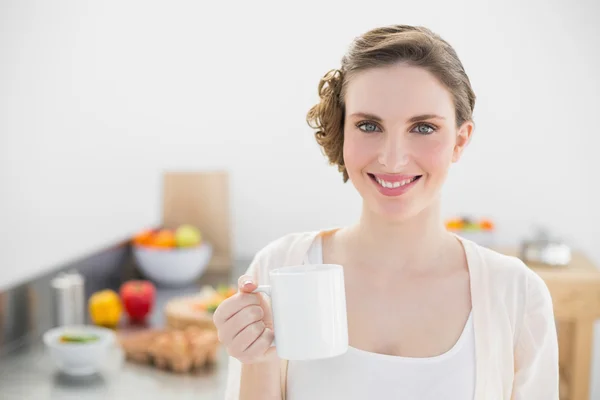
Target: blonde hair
384,46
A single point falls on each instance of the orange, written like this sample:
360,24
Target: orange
144,238
486,225
164,239
454,224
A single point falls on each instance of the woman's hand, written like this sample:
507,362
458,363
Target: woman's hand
245,324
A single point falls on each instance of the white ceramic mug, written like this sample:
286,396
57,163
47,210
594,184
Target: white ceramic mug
309,311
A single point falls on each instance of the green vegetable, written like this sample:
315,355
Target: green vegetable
211,308
222,289
78,338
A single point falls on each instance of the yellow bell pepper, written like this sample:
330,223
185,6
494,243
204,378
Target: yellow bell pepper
105,308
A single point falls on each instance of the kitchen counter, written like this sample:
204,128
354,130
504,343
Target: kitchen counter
29,373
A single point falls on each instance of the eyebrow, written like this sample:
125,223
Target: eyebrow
416,118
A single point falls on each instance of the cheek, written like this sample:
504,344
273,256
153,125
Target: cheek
435,154
357,153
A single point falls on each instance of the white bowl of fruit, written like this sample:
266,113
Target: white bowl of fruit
172,257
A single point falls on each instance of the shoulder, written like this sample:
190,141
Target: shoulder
516,310
286,250
503,270
283,246
508,281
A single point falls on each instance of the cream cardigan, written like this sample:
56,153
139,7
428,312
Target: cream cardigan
515,334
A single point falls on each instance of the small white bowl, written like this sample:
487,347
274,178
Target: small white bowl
79,359
173,267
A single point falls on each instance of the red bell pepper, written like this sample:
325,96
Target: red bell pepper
138,298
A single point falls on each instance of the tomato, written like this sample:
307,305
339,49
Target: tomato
138,297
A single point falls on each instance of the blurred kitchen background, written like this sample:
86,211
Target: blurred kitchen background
102,101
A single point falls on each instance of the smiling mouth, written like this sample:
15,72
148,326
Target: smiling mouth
395,184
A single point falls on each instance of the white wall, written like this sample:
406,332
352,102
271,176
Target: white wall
96,98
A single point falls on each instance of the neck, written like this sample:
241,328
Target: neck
415,243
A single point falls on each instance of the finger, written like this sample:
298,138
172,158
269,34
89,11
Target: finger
260,347
246,284
246,337
231,306
238,322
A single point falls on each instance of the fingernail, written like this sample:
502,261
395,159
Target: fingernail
247,282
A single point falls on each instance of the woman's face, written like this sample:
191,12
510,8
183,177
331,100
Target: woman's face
400,138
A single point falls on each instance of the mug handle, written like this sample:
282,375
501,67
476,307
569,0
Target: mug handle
266,289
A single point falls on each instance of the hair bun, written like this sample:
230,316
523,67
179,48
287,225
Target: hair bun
331,84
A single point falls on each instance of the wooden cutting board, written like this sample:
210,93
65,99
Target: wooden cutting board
201,198
182,312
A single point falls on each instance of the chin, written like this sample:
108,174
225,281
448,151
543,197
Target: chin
394,211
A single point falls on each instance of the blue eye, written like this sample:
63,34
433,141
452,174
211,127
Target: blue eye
367,127
424,129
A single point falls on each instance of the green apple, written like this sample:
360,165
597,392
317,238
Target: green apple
187,236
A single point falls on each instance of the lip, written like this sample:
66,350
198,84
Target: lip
393,177
392,192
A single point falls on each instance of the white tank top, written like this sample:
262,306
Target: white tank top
360,375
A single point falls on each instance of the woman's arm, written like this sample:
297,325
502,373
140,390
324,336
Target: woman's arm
261,381
536,350
254,381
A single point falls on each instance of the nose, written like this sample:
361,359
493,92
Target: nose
394,153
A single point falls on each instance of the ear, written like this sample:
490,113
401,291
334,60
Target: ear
463,137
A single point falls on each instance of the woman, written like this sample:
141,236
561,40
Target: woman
430,315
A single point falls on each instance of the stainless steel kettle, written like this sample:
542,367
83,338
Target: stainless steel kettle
544,249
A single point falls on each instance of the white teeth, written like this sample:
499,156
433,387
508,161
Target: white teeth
395,184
